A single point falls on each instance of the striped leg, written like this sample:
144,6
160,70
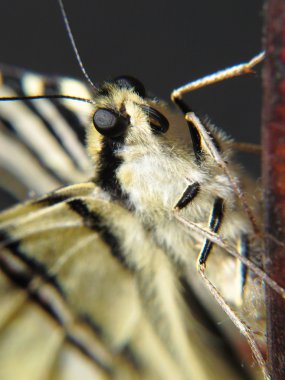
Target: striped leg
214,225
219,76
244,252
202,139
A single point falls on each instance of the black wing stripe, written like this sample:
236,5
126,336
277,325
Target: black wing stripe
14,246
54,137
37,159
70,117
95,222
34,134
17,85
52,301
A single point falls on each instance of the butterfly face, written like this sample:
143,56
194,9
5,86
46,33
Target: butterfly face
121,106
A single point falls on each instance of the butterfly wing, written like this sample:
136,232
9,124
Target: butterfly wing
55,313
83,296
45,136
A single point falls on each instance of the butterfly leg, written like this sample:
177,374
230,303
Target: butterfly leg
244,252
243,328
205,142
246,147
199,133
214,225
202,139
219,241
213,150
219,76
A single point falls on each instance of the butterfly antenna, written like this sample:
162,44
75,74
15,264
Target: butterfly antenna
71,38
36,97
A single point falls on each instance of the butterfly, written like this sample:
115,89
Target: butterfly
96,276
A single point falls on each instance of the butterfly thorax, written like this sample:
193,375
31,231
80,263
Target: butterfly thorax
147,171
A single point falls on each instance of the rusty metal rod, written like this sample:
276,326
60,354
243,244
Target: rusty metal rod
273,166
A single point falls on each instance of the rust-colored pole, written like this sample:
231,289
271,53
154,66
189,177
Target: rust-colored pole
273,140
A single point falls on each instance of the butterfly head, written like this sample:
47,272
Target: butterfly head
124,114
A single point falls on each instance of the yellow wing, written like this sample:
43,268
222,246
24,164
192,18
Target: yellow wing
85,296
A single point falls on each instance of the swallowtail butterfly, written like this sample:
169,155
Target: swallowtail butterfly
98,269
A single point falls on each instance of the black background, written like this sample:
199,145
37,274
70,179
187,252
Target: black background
164,44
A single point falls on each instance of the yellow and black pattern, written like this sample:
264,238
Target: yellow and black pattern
46,137
92,274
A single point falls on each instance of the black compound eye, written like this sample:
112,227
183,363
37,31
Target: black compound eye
158,122
130,83
109,123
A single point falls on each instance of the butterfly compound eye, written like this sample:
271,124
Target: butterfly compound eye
109,123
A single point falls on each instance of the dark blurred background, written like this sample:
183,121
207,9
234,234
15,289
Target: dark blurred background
163,43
